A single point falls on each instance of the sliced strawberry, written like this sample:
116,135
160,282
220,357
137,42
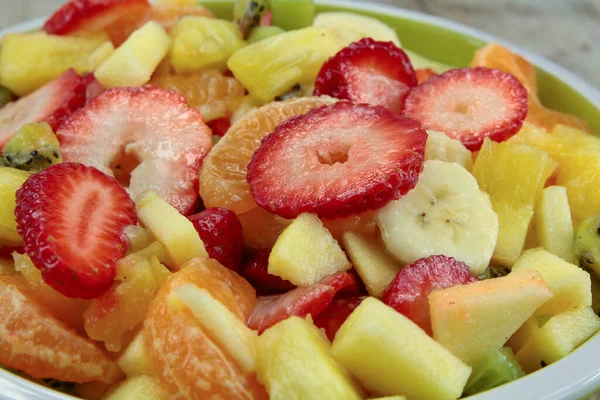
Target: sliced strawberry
337,161
118,18
423,74
71,218
255,270
267,19
300,302
409,290
51,103
149,125
92,86
220,126
376,73
470,104
221,231
336,314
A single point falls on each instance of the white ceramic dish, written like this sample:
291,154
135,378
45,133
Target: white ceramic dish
574,377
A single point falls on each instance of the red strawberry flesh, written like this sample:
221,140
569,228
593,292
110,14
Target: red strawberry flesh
71,218
336,161
470,104
92,86
408,293
336,314
220,126
255,268
376,73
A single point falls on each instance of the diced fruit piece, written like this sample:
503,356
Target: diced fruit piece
299,302
30,61
578,174
496,368
71,218
221,232
570,285
52,104
134,360
263,32
553,223
157,251
470,105
371,261
408,292
465,318
247,14
139,238
305,253
5,96
376,73
423,74
10,181
328,149
219,127
168,15
442,147
389,354
350,27
446,213
255,269
118,18
200,42
186,359
562,334
294,362
33,341
142,387
333,317
523,334
268,69
171,229
133,63
33,148
92,87
118,128
499,169
587,244
292,14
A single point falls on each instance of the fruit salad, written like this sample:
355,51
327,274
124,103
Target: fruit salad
283,205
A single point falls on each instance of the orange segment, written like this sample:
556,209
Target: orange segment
33,341
169,14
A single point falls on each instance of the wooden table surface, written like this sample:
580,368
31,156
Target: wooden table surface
565,31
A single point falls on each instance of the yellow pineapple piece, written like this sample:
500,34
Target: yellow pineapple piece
305,252
269,68
160,272
531,240
142,387
530,135
390,354
134,360
466,318
523,334
157,250
580,174
31,60
569,284
558,337
294,363
371,261
174,231
201,42
10,181
575,140
553,223
133,63
514,176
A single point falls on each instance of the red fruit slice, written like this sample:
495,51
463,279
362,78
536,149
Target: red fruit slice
336,161
409,290
336,314
300,302
150,126
71,218
470,104
92,86
423,74
51,103
221,231
255,270
376,73
118,18
220,126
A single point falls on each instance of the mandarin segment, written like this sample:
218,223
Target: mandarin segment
169,14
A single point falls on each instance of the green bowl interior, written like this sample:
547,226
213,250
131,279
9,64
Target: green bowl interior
457,49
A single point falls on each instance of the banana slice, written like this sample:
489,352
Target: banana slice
441,147
445,213
350,27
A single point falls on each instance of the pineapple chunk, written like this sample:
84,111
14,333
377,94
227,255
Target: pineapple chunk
514,176
376,268
201,42
134,360
157,250
174,231
133,63
142,387
31,60
272,66
442,147
305,252
523,334
580,175
569,284
558,337
553,223
294,363
10,180
471,320
160,272
390,354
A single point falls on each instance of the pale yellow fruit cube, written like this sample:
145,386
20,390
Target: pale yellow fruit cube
142,387
156,249
10,181
569,284
305,252
294,363
442,147
390,354
553,223
523,334
471,320
135,360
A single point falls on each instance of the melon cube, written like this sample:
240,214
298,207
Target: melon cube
553,223
523,334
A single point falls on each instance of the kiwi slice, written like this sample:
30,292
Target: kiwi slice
293,14
496,368
263,32
248,13
5,96
33,148
587,243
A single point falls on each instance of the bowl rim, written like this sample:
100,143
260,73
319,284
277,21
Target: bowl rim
573,377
